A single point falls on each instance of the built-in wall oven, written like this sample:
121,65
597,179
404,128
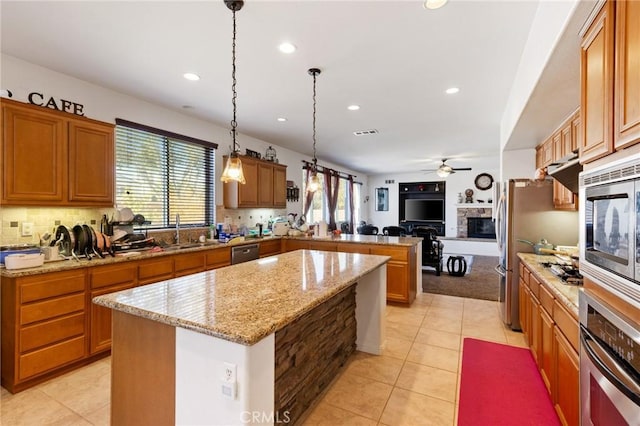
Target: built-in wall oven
610,226
609,365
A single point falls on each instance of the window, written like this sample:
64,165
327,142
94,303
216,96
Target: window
160,174
319,210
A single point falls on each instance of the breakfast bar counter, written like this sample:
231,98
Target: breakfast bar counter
262,338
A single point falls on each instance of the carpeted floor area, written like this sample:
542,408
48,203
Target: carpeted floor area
480,283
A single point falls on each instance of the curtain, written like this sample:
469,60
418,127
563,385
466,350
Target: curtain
350,203
308,196
331,186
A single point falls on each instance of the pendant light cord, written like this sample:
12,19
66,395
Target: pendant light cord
234,123
315,160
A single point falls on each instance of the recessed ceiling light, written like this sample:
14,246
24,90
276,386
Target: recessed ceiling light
282,119
191,76
353,107
287,47
434,4
452,90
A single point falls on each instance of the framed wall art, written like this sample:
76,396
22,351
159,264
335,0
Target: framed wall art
382,199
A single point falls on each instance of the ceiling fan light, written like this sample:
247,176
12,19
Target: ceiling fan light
433,4
444,171
233,170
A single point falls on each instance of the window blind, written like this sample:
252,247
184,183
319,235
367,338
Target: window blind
159,175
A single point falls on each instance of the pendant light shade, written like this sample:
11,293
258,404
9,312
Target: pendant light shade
314,184
233,169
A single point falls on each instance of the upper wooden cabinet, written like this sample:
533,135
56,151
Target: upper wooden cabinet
50,158
576,130
596,86
563,198
561,143
544,153
266,185
610,80
279,186
91,163
627,74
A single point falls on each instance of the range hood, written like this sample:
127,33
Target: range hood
566,171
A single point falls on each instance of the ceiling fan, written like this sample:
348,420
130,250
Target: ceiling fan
445,170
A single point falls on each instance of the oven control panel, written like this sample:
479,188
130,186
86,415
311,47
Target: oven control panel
620,343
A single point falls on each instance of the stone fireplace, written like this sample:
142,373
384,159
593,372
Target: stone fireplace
480,220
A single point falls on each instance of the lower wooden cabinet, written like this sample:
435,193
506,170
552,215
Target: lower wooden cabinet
103,280
523,308
552,334
43,326
401,275
189,263
270,247
155,269
222,257
324,245
566,396
546,359
535,328
401,269
291,245
353,248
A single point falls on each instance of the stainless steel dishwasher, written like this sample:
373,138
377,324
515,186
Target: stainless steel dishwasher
244,253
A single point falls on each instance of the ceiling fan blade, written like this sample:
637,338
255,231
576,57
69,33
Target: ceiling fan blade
461,168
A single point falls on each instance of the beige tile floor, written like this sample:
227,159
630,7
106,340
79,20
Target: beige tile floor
414,382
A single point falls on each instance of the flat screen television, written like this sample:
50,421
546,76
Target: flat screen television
423,209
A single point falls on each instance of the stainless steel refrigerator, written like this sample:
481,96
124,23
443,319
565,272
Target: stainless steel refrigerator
524,210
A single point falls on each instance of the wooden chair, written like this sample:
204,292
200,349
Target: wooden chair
431,247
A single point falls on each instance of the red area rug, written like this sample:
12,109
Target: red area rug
500,385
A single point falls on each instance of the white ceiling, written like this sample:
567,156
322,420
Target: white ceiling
393,58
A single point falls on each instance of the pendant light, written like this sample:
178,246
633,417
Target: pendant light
314,183
233,168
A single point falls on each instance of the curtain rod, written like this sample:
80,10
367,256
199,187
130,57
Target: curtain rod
340,174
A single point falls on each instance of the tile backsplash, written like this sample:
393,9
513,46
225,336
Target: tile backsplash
45,219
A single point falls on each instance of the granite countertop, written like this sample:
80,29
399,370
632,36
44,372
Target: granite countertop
71,263
366,239
567,294
246,302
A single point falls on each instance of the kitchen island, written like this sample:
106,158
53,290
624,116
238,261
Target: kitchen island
251,342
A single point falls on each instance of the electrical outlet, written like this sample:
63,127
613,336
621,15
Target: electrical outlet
27,229
229,374
229,384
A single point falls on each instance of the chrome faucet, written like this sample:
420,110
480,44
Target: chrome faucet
177,229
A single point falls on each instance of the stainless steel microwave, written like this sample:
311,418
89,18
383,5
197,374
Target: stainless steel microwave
610,225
